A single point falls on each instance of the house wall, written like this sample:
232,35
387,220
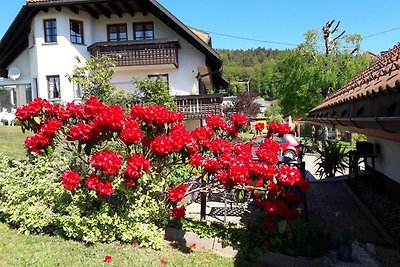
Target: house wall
387,160
57,58
13,93
42,59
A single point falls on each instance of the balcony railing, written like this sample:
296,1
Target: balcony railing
139,53
196,107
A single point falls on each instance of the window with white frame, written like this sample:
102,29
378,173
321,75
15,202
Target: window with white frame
53,86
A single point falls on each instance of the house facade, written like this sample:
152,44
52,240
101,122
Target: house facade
370,104
146,41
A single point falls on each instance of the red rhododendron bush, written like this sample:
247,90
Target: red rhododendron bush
117,184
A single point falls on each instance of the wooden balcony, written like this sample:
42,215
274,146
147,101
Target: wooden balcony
195,107
139,53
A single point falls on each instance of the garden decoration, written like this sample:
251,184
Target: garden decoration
117,182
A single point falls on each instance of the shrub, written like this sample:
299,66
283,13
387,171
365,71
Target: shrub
332,158
118,180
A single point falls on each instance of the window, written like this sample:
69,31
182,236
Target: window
53,86
117,32
77,90
50,30
163,77
143,31
76,31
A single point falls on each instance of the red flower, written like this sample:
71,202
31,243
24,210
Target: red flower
80,132
219,145
239,120
107,259
215,121
177,193
93,181
270,144
259,126
50,127
270,224
106,161
92,108
268,156
196,160
288,175
70,180
134,244
178,212
137,164
161,145
276,208
193,246
280,129
212,165
132,133
105,189
36,142
164,262
239,172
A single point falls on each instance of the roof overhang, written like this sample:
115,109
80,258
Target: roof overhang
376,116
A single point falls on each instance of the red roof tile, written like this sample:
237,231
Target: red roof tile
381,77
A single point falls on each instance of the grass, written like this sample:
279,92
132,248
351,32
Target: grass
36,250
39,250
12,141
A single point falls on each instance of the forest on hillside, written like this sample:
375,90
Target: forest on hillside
298,78
258,67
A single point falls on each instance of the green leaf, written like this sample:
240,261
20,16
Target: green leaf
282,226
37,120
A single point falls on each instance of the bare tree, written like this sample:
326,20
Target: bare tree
329,39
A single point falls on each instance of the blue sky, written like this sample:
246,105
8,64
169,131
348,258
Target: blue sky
274,21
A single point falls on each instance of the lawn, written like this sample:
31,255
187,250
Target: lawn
12,141
38,250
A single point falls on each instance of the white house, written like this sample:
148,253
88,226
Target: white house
39,49
370,104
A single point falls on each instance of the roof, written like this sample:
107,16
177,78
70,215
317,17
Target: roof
369,103
15,40
202,35
382,77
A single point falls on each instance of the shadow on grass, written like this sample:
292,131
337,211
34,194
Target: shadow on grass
181,247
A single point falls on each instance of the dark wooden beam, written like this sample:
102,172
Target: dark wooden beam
45,9
115,9
103,10
3,72
58,8
74,9
91,11
142,7
128,7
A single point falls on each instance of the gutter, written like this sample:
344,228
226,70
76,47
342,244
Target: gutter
386,124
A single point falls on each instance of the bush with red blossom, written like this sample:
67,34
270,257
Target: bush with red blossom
120,156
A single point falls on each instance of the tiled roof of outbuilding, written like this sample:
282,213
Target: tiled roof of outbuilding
380,78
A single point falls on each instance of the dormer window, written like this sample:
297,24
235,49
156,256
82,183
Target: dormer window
50,30
143,31
76,31
117,32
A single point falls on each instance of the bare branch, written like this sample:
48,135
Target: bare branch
337,37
